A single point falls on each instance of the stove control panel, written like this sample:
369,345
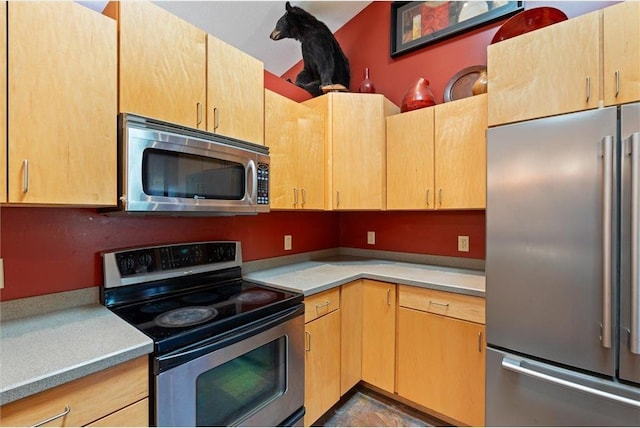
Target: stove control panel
169,257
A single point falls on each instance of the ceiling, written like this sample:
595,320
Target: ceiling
248,24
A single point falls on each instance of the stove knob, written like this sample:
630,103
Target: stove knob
145,260
127,265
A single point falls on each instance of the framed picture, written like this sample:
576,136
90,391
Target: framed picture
416,24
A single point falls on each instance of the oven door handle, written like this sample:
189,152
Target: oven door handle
176,358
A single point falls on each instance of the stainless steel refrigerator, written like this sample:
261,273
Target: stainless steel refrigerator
562,270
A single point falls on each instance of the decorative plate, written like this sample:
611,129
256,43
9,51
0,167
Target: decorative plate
528,20
460,85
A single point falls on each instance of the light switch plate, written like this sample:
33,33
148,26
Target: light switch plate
371,238
463,244
287,242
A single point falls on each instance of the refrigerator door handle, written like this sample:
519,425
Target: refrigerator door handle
514,365
607,222
634,345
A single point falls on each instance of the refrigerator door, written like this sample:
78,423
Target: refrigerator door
550,262
629,237
522,392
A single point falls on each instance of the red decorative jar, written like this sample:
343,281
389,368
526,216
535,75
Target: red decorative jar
367,86
418,96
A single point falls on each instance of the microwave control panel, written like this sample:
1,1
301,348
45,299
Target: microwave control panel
263,184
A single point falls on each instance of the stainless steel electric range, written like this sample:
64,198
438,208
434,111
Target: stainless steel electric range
227,352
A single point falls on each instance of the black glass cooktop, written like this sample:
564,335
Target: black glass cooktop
181,319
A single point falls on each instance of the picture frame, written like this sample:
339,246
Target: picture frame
416,24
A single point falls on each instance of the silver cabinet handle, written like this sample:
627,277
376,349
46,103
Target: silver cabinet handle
323,305
480,341
388,297
617,74
295,196
307,347
67,410
515,366
607,208
431,302
427,197
588,88
440,197
634,345
216,119
337,198
25,176
198,114
304,196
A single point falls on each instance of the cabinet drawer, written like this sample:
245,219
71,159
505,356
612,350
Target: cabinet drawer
321,304
89,398
461,306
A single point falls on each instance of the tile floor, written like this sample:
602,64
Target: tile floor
362,407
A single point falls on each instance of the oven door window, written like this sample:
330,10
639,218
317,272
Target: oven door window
233,391
184,175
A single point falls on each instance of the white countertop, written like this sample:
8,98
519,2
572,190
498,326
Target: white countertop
39,352
312,277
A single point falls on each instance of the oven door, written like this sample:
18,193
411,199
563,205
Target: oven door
163,171
253,380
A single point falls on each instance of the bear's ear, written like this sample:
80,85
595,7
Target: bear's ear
287,6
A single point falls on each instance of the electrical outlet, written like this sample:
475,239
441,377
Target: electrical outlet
371,238
463,244
287,242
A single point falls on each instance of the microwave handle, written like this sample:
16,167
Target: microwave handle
252,177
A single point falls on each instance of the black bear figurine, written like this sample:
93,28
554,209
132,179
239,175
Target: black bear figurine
326,68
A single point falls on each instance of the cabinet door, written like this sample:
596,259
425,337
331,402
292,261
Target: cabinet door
358,151
309,158
410,157
441,364
162,64
461,152
351,335
235,92
544,73
322,365
3,100
62,104
621,27
379,334
135,415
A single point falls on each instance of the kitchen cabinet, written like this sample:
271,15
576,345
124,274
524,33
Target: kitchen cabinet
379,334
351,327
355,149
436,156
621,34
441,352
543,73
322,354
3,100
294,134
117,396
235,92
62,99
162,66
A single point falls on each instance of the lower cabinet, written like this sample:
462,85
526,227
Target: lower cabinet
441,353
117,396
322,354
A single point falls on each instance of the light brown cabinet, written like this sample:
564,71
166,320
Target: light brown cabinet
294,134
3,100
61,105
351,302
436,156
322,354
355,151
546,72
235,92
379,334
162,66
441,353
621,34
117,396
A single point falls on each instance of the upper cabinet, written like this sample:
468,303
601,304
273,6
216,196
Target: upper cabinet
235,92
62,92
3,100
162,64
436,156
294,134
549,71
355,149
171,70
621,28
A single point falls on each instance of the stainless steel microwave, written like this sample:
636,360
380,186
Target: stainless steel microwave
171,169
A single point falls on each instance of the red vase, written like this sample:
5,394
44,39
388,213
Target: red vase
418,96
367,86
